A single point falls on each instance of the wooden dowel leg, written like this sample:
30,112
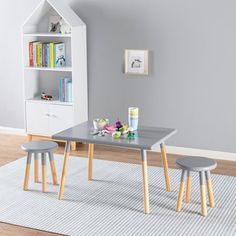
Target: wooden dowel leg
53,168
44,173
27,171
90,161
145,182
36,168
181,191
203,194
165,165
210,189
64,170
188,188
29,137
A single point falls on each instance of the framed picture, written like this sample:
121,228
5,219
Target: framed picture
54,24
136,62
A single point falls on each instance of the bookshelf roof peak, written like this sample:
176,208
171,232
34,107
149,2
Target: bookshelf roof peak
60,7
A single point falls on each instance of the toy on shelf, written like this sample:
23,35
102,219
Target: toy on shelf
46,96
131,134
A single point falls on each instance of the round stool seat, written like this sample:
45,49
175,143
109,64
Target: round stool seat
195,163
39,146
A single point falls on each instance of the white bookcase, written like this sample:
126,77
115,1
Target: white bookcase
45,118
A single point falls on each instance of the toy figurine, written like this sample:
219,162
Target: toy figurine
116,134
46,96
118,125
131,134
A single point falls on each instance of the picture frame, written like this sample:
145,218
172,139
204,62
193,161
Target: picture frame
54,25
136,62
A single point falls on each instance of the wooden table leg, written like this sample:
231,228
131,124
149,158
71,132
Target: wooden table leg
36,168
165,165
210,190
27,171
90,161
145,181
53,168
44,173
203,194
188,188
181,191
64,170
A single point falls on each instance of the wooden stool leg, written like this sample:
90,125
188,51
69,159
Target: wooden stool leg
27,171
181,191
64,170
53,168
165,165
188,187
203,194
145,181
44,173
90,161
36,168
209,189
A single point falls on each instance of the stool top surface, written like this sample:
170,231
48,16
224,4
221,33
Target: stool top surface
39,146
196,163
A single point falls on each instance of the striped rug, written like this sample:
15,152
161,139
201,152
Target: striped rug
112,204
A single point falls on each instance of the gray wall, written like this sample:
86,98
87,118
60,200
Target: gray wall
193,74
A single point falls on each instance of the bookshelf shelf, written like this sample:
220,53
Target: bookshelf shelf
68,68
52,102
42,117
46,35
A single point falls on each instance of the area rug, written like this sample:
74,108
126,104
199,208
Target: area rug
112,204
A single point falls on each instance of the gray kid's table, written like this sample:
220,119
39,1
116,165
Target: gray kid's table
147,138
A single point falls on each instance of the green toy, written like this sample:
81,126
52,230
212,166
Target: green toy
116,134
131,134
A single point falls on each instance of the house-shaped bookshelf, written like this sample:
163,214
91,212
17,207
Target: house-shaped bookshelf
45,118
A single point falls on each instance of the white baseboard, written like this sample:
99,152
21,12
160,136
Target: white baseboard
201,152
9,130
170,149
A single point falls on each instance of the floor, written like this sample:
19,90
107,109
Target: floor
10,150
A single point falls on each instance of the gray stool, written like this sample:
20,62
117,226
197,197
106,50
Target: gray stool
37,147
203,166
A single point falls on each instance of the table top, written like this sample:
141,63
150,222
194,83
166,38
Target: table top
146,137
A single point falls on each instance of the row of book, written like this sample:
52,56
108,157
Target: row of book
47,54
65,90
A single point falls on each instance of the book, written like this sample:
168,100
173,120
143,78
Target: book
31,55
59,55
68,91
65,90
51,55
39,54
35,53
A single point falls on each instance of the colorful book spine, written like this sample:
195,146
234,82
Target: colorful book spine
43,54
51,55
35,53
31,55
39,54
59,55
